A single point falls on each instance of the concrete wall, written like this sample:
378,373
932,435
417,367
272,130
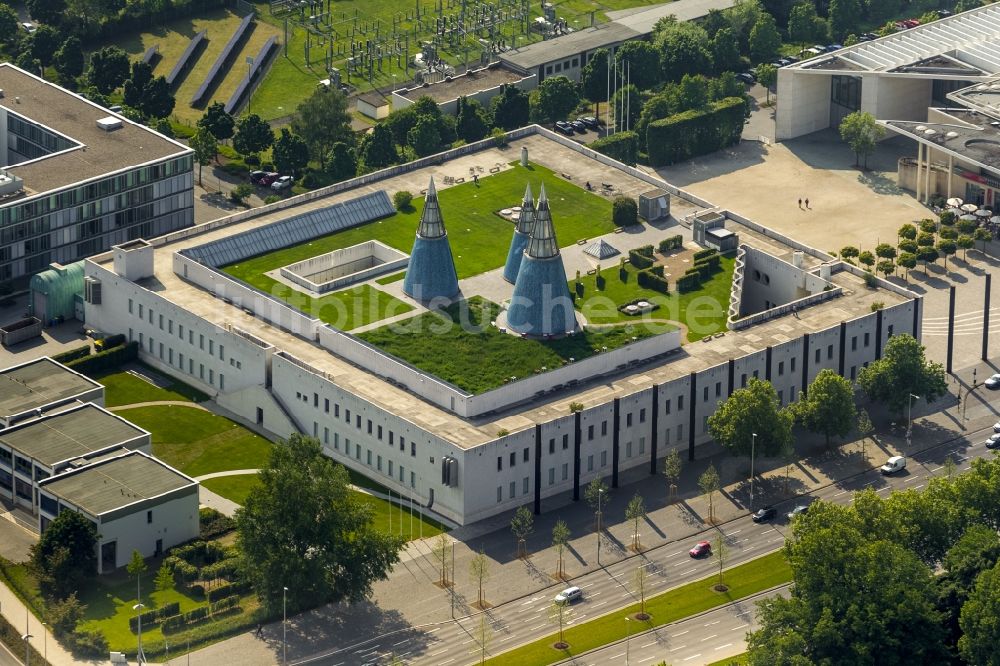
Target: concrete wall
897,98
345,266
174,521
803,104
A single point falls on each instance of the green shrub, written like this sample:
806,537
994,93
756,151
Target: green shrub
226,568
235,168
689,281
172,624
402,200
182,131
212,524
651,280
110,342
645,250
621,146
272,198
695,132
639,260
87,645
239,194
199,613
671,243
701,254
624,211
72,354
110,359
870,280
226,603
499,137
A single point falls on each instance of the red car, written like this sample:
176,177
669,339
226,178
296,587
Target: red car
268,178
701,548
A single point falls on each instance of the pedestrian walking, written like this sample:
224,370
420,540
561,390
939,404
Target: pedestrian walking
260,631
800,202
807,202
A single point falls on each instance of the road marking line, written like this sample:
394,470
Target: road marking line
911,479
918,487
842,492
447,660
643,647
681,633
711,623
600,604
736,531
400,642
618,656
694,656
936,469
723,647
708,638
532,629
677,553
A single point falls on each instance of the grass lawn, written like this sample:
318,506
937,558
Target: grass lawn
122,388
174,36
235,488
389,279
738,660
703,311
482,358
198,442
685,601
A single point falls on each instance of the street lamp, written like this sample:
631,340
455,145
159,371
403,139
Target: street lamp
753,448
909,416
27,651
968,394
45,638
284,625
600,494
628,635
140,658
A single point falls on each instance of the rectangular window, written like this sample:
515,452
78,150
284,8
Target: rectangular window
499,494
889,330
565,442
201,341
680,402
499,463
793,364
315,399
180,331
130,306
781,397
336,410
817,356
604,458
160,320
413,480
379,433
854,372
781,368
347,416
590,432
642,415
565,471
552,445
211,346
326,405
368,454
829,352
642,445
604,428
680,432
667,406
524,485
705,394
378,462
854,343
369,426
402,443
326,435
524,454
590,463
357,421
704,423
628,449
718,389
390,468
512,490
222,352
552,475
867,336
513,458
743,380
413,449
140,310
149,517
628,420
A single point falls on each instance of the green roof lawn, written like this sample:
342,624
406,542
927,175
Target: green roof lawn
479,240
483,358
703,311
123,388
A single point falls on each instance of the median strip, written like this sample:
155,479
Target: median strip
676,604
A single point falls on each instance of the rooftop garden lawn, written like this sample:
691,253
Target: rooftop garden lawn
122,388
389,279
198,442
703,310
483,358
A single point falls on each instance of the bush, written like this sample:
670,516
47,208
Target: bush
671,243
152,617
225,603
239,194
645,250
701,254
172,624
870,280
236,168
110,341
87,645
227,568
72,354
657,270
624,211
109,359
272,198
499,137
621,146
696,132
199,613
689,282
197,590
402,200
639,260
651,280
212,524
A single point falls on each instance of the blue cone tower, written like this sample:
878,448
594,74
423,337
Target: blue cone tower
431,271
541,304
522,233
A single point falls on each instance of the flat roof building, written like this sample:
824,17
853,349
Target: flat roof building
136,502
31,389
792,311
894,78
481,84
77,179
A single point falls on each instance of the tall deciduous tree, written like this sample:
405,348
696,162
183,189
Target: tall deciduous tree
483,637
471,122
720,551
902,371
521,526
253,135
597,496
635,511
342,162
44,43
754,409
302,528
907,261
378,149
69,58
560,537
862,133
843,15
205,148
708,482
594,79
640,585
8,24
802,23
511,108
479,569
322,120
46,11
672,465
290,154
442,552
66,554
554,99
641,61
767,75
136,567
109,67
684,49
217,121
424,137
765,40
828,405
157,102
725,51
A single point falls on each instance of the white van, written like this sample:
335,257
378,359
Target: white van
893,465
569,595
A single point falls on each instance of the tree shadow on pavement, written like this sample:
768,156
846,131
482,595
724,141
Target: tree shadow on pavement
879,183
333,628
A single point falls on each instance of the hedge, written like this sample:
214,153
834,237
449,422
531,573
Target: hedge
701,254
689,282
110,359
225,568
639,260
696,132
645,250
214,523
225,603
621,146
653,281
72,354
671,243
152,617
110,342
714,263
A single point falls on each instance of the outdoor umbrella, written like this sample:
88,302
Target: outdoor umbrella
955,202
968,217
984,212
995,219
955,211
969,208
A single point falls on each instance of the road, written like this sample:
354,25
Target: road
609,589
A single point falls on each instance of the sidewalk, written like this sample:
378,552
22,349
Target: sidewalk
18,615
410,597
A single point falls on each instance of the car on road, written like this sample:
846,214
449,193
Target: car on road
282,183
569,595
893,465
993,383
255,176
268,178
798,511
996,427
564,127
590,121
579,126
746,78
993,442
701,548
764,515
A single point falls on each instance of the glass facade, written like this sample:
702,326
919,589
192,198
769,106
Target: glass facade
28,141
68,225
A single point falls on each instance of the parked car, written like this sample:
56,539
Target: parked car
791,59
590,121
798,511
746,78
701,548
812,52
871,35
29,27
996,427
282,183
893,465
256,175
993,442
993,383
569,595
764,515
943,13
784,62
564,127
830,48
579,126
268,178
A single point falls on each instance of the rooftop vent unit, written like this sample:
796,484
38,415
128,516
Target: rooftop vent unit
109,124
1,93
